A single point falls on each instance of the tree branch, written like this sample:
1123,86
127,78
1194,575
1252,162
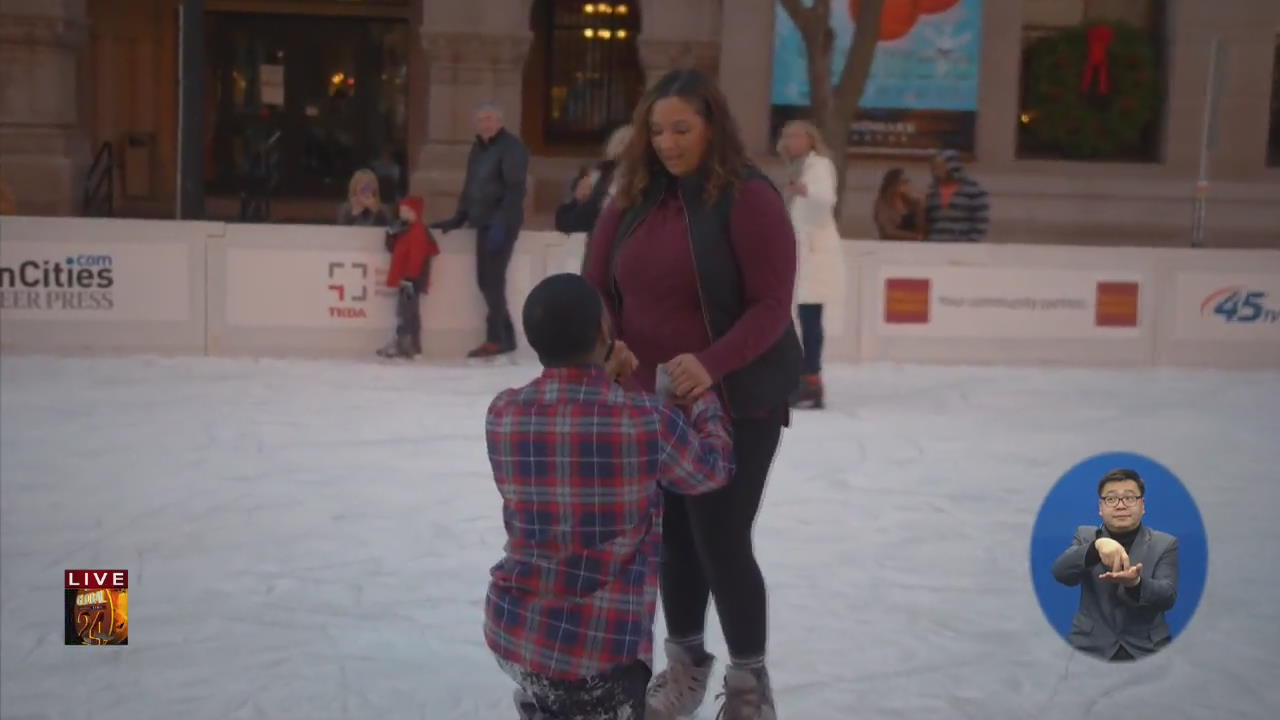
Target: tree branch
857,65
799,13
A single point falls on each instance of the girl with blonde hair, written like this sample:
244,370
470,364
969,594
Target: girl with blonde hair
364,201
811,201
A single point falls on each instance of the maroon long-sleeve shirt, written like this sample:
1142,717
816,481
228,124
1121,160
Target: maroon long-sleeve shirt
661,313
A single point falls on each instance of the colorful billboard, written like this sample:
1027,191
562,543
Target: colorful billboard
922,91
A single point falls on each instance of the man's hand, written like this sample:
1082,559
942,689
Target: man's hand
621,363
799,188
1112,554
1128,578
689,378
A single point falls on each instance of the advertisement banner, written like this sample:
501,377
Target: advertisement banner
922,92
110,282
1009,303
269,287
1227,306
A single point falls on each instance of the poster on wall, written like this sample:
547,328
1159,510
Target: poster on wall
922,92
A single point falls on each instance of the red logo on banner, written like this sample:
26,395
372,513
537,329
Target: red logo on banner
1117,305
906,301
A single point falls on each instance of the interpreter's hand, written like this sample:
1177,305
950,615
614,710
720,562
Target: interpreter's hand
1127,578
1112,554
689,378
621,363
800,188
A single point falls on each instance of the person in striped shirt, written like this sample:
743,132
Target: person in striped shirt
956,208
580,465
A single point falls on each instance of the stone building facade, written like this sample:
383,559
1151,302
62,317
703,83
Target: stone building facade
77,72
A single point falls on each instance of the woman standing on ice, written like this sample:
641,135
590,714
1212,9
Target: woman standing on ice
696,258
811,200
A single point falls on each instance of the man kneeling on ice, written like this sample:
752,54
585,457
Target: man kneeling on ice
579,464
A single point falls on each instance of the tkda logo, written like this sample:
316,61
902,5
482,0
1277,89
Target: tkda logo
1240,305
343,291
76,282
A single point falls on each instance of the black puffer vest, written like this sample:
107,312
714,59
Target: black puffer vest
766,383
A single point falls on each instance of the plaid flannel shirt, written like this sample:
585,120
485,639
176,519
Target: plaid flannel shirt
579,464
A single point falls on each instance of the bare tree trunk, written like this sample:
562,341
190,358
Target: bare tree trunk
848,93
834,105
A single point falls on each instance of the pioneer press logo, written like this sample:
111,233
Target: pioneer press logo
74,282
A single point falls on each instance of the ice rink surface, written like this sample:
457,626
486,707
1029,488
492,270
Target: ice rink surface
312,540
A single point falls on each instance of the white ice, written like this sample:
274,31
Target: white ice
312,540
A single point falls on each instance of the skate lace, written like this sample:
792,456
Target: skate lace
672,685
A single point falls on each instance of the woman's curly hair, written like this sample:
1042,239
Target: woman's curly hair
725,162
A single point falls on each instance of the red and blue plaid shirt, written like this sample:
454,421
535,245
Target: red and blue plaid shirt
579,464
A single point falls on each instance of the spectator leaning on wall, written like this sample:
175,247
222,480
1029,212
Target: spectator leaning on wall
492,202
956,208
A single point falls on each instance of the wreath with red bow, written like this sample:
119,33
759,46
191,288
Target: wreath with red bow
1092,91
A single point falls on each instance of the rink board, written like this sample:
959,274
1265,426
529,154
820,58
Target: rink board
268,290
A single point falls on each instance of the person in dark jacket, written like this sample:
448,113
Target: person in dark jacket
697,259
411,248
956,208
593,188
492,203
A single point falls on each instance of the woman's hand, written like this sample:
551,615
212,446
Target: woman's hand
621,363
689,378
799,188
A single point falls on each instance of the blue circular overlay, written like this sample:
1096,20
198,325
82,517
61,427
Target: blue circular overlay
1073,501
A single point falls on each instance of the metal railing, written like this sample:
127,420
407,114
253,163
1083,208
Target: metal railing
99,184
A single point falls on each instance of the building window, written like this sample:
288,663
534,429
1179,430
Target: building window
591,76
1273,138
1093,80
299,102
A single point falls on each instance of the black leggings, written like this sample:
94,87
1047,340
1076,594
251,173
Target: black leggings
811,334
706,548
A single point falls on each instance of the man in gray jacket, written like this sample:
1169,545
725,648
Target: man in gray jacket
492,203
1127,573
956,209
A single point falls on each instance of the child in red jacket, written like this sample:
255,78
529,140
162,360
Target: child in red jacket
412,248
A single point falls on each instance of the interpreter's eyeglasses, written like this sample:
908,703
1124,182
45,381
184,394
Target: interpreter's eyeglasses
1113,500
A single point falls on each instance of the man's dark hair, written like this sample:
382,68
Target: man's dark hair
1121,476
562,317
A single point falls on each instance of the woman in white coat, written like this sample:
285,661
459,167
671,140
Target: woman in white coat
811,200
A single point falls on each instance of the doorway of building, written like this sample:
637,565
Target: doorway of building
298,103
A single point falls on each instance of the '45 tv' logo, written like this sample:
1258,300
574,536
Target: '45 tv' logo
1239,304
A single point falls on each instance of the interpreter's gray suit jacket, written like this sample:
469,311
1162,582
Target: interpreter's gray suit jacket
1111,615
